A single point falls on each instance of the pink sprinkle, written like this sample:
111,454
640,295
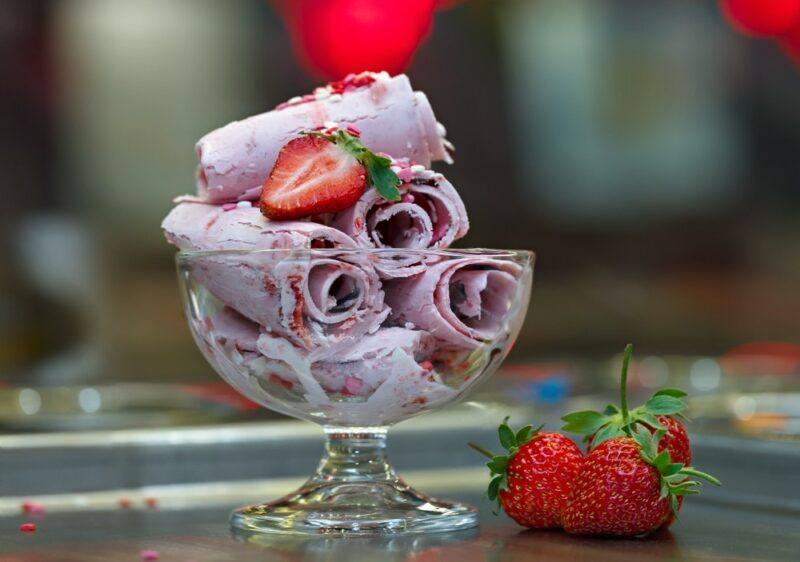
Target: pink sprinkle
427,365
33,508
408,198
353,130
28,527
405,175
353,385
229,206
150,555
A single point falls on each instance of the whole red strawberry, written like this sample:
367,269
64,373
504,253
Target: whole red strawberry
675,440
660,412
616,493
533,481
626,488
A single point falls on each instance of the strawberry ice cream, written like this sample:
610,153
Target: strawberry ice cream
463,302
202,227
430,214
235,160
346,299
312,302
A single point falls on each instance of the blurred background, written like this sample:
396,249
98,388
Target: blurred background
645,150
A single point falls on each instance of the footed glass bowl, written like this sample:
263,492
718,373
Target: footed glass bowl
355,341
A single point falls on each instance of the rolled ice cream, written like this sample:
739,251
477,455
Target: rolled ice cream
313,302
195,226
462,302
382,374
235,160
430,214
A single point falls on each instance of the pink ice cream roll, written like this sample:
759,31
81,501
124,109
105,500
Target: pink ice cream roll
230,329
197,226
462,302
235,160
312,301
357,370
429,215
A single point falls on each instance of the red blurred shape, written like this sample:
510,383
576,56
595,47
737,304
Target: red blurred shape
762,358
337,37
534,371
762,18
221,393
790,43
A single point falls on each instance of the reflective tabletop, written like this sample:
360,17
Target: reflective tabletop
706,531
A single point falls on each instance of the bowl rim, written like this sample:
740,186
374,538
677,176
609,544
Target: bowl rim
489,253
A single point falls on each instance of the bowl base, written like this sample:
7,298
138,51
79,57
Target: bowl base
355,508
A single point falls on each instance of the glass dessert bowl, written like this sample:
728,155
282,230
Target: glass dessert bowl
355,340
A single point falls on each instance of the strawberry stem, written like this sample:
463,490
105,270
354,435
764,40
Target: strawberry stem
623,391
481,450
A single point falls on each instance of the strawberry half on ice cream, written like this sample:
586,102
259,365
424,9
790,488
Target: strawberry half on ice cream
324,172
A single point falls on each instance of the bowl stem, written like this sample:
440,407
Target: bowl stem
355,491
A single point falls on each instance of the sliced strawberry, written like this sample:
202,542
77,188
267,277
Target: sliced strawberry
312,175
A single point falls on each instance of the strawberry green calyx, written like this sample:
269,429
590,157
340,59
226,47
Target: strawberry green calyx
675,478
620,421
498,464
379,171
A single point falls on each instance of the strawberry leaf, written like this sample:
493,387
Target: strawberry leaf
674,478
664,404
685,488
494,487
705,476
644,439
498,465
585,422
381,176
662,461
673,504
524,435
649,419
607,432
674,392
507,437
